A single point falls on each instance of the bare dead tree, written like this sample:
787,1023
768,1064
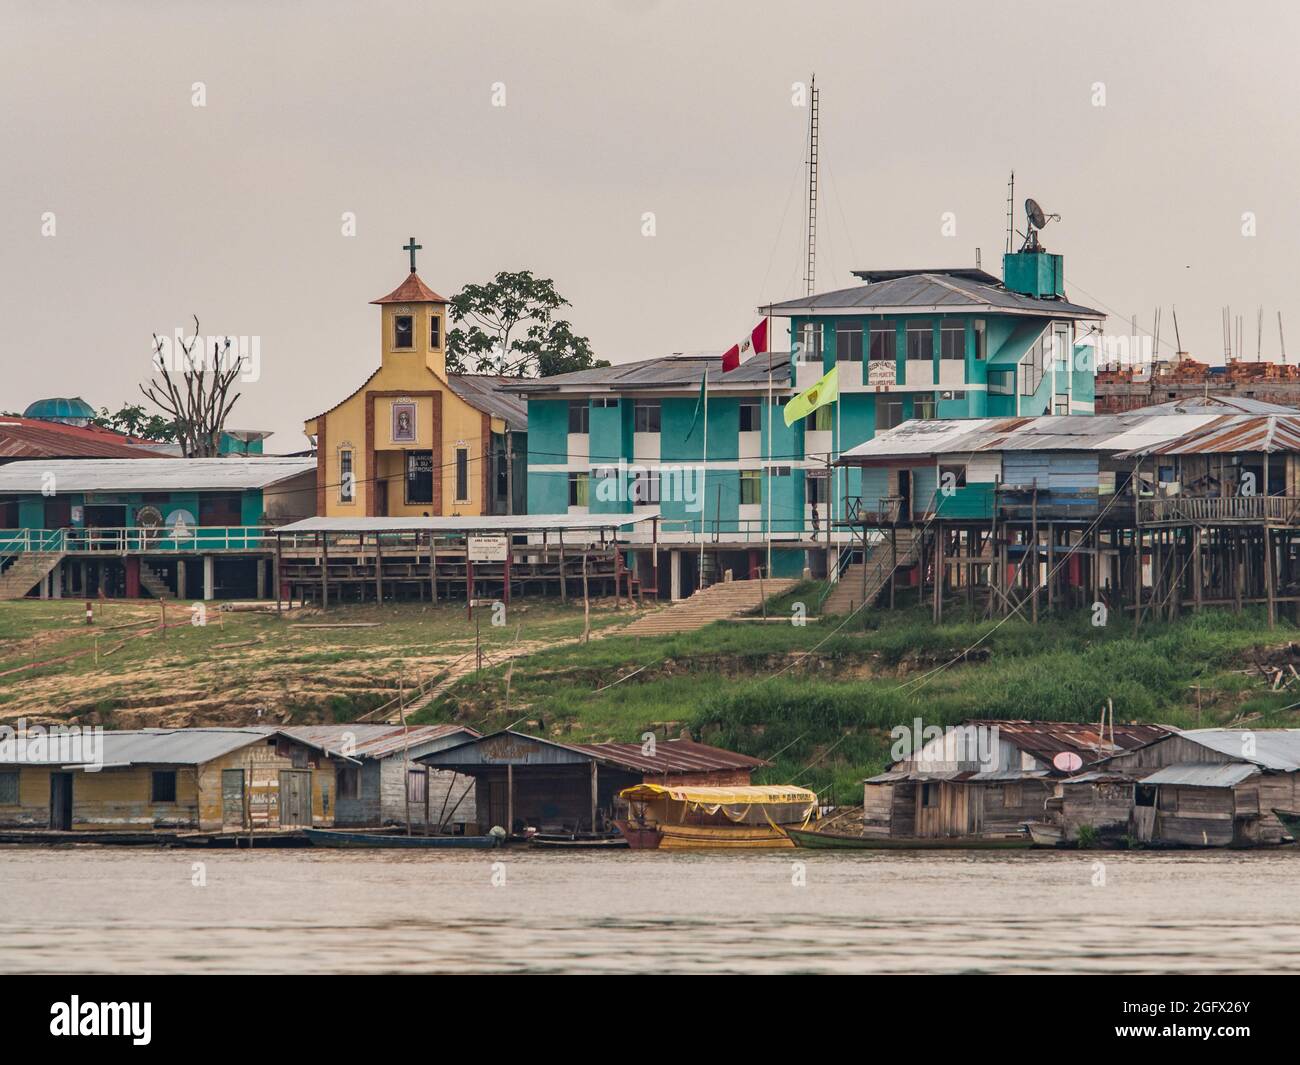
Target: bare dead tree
199,402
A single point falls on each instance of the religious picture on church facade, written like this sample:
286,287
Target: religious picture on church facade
404,422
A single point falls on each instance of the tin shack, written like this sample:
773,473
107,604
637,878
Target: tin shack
985,778
524,781
386,784
200,779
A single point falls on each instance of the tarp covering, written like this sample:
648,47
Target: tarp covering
714,796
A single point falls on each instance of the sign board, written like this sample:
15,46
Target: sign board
487,548
882,373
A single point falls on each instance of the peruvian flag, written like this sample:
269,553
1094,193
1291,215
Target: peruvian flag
754,344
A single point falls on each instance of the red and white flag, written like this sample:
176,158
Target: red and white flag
754,344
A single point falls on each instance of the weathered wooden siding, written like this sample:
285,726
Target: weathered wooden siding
1106,806
262,764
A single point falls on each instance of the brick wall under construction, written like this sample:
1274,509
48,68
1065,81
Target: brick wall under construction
1129,389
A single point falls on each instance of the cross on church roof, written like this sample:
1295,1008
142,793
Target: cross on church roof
412,247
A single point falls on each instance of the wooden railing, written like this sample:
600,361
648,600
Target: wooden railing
135,539
1210,509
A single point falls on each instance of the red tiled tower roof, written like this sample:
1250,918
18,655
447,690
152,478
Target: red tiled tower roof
412,290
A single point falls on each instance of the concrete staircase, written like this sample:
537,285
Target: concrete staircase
847,595
728,599
27,571
153,582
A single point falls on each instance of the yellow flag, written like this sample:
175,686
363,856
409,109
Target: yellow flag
827,390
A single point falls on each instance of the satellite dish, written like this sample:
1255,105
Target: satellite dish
1067,761
1037,217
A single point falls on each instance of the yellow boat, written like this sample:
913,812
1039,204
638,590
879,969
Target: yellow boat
690,817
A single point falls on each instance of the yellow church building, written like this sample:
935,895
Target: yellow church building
413,439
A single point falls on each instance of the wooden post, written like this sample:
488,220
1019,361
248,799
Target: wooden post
324,570
593,795
938,572
379,571
509,552
893,562
1269,581
433,575
586,603
618,577
469,584
564,584
1033,566
510,799
274,576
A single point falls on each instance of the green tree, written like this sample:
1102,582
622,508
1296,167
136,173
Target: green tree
508,326
133,420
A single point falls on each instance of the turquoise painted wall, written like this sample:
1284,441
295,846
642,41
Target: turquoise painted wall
548,432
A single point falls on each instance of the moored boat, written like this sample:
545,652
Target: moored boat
322,837
815,839
1044,833
689,817
1290,821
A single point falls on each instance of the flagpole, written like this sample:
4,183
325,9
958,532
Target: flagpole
704,466
770,413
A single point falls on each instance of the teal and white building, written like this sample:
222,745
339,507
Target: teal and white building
909,344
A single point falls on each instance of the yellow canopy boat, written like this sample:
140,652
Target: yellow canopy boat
690,816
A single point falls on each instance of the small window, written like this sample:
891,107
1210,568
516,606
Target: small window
349,782
403,331
579,416
884,342
347,478
920,341
960,397
1144,795
952,476
778,471
164,786
1002,382
462,475
9,788
645,488
579,484
810,342
435,331
751,487
417,785
929,796
751,417
823,419
848,342
981,340
1062,403
923,406
889,413
604,401
645,416
952,340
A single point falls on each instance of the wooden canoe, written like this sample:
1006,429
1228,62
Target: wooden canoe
321,837
814,840
579,842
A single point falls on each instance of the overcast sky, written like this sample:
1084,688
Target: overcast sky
232,211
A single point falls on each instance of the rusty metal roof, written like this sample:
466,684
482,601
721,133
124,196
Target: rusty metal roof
1203,775
379,741
671,756
1231,434
35,438
1046,739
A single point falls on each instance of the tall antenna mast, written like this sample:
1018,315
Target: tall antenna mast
1280,338
1011,200
810,270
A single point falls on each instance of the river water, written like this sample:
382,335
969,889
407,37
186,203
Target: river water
105,910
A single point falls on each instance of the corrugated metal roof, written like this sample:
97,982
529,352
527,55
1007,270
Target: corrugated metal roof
1277,748
1203,775
151,474
1108,433
1231,434
31,438
1046,739
1216,405
493,395
360,740
666,374
671,756
959,776
187,746
919,292
475,523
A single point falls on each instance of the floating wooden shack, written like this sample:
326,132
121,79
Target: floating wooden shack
524,781
386,784
985,778
197,779
1199,788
